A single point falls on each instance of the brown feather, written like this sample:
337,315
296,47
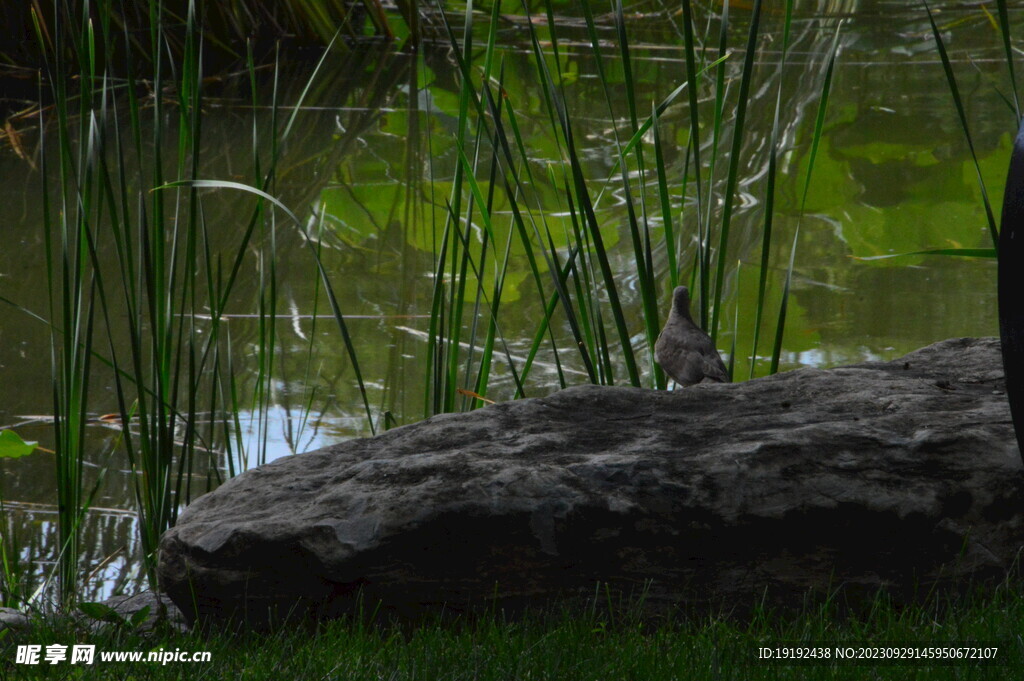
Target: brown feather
684,350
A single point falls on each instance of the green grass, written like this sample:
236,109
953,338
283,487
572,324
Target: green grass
563,646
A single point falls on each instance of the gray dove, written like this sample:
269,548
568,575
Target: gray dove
683,350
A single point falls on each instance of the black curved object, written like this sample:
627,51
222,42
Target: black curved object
1011,286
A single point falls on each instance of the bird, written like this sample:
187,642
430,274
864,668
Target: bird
684,350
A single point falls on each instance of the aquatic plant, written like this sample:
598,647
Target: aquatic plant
570,260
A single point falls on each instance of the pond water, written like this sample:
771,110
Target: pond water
373,153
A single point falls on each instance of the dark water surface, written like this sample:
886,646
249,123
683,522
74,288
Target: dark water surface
374,153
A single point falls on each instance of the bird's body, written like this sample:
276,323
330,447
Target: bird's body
683,350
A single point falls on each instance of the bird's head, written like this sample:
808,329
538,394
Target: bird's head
681,301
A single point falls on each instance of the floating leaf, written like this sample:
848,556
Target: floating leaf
13,447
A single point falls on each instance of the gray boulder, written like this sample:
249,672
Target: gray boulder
902,475
123,611
114,612
11,618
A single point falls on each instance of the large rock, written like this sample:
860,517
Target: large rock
903,475
116,612
160,612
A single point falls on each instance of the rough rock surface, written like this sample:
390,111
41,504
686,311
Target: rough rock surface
903,475
10,618
162,612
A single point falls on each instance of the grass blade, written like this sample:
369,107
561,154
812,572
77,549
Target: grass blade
958,102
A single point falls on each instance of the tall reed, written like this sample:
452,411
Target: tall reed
160,297
228,25
72,286
571,267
